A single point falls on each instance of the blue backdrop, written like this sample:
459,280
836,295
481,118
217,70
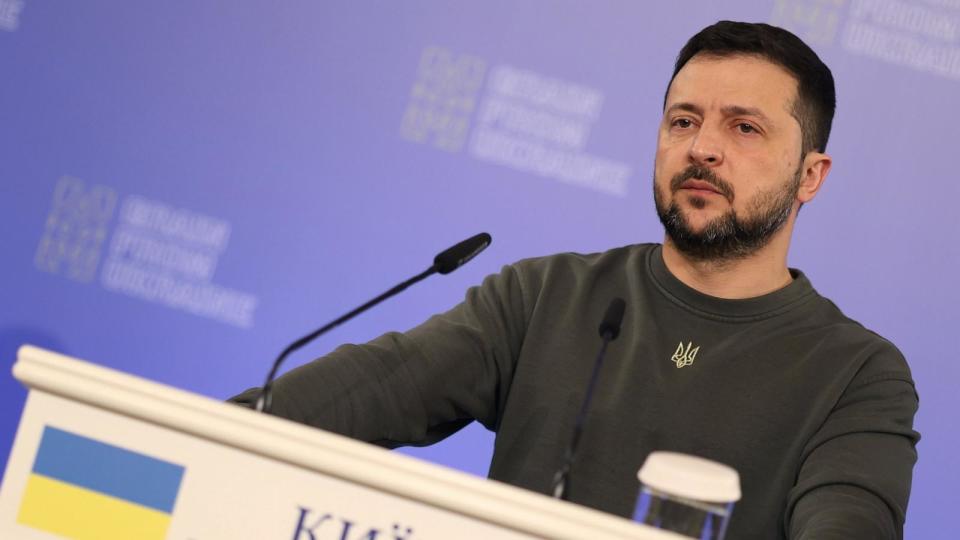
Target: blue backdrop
188,186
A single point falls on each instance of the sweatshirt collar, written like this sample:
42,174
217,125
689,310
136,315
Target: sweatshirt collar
768,305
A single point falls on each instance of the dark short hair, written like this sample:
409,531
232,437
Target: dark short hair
816,98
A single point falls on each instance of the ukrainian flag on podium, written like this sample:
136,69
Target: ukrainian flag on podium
82,488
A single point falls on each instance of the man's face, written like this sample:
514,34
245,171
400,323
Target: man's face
728,163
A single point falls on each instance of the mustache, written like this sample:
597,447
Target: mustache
703,174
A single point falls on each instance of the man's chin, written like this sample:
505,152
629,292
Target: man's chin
698,221
699,224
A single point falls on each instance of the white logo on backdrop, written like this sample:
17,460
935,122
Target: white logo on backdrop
920,34
814,21
156,253
168,256
923,37
538,124
75,229
10,14
442,99
526,121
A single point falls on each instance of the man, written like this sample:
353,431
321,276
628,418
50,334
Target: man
725,352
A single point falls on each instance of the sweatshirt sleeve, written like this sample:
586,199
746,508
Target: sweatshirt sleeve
855,476
417,387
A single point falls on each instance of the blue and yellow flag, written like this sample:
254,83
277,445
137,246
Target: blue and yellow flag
85,489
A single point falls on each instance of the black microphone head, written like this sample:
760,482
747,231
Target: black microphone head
460,254
610,327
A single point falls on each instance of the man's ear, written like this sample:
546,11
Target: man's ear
816,166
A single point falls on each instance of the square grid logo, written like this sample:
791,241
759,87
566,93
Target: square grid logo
75,229
442,99
814,21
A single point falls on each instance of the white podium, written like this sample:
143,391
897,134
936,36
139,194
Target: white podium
101,454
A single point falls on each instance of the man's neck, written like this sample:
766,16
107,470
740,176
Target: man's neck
760,273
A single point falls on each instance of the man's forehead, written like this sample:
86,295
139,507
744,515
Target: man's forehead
730,81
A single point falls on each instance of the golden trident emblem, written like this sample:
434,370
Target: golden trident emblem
684,356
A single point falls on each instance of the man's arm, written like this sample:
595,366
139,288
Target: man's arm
855,479
418,387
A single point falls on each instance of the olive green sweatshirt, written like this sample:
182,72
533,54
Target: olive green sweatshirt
814,411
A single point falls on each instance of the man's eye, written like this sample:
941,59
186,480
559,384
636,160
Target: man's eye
682,123
746,128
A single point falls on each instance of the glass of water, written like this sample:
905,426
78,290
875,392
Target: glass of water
686,494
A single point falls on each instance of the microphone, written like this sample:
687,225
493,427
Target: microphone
609,330
610,326
445,262
460,254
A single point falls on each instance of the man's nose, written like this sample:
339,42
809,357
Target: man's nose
706,148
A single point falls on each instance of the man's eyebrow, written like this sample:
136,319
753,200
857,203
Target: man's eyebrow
736,110
685,106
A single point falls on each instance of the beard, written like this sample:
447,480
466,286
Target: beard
730,236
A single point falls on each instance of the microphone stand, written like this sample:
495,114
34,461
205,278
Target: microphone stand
609,330
265,399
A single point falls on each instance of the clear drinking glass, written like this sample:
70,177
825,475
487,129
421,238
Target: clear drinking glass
687,495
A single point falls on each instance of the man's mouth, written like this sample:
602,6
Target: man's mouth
702,182
700,186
